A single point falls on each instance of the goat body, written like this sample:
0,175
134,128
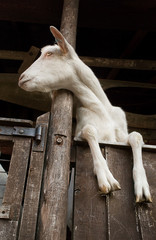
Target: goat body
59,67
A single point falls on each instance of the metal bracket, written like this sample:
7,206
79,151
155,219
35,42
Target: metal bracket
22,132
5,211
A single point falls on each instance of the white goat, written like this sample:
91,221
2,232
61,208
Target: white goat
59,67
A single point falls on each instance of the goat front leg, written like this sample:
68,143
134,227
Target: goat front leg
141,185
106,181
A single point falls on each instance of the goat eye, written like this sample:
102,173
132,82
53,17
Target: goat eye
48,54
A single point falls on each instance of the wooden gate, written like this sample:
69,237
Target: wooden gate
27,194
115,216
20,185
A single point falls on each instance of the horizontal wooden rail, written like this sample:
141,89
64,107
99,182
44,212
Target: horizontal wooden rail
92,61
107,83
119,144
12,55
119,63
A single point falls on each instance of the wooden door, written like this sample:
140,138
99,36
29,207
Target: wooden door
20,203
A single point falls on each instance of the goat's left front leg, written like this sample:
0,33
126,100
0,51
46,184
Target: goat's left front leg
141,186
106,181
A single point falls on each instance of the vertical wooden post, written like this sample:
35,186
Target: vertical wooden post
53,210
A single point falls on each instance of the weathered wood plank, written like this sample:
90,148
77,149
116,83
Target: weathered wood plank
33,187
125,220
54,206
15,122
90,214
90,61
14,191
149,135
106,84
52,219
8,229
17,175
147,212
121,208
141,121
120,63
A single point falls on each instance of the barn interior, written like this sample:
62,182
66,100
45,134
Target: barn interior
116,38
112,30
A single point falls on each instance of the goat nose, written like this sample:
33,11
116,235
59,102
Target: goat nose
21,77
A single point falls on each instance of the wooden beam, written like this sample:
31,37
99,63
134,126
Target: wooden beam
141,121
90,61
106,84
53,211
119,63
12,55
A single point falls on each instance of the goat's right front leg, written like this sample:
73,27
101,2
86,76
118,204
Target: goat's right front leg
106,181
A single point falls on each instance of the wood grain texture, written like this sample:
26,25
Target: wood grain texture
14,191
33,187
52,220
118,216
90,213
120,63
121,204
53,213
147,212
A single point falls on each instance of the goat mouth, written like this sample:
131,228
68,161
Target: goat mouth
21,83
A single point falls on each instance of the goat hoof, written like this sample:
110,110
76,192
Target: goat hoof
104,190
140,199
116,187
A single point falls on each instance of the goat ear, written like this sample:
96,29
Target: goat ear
59,39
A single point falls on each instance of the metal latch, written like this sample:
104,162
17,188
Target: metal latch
22,131
5,211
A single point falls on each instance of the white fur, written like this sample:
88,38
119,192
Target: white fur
59,67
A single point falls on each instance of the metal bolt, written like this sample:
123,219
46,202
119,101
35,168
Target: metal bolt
59,140
21,131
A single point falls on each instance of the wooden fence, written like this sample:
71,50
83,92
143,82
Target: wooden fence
30,193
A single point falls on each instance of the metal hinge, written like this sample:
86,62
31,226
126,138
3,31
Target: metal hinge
22,131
